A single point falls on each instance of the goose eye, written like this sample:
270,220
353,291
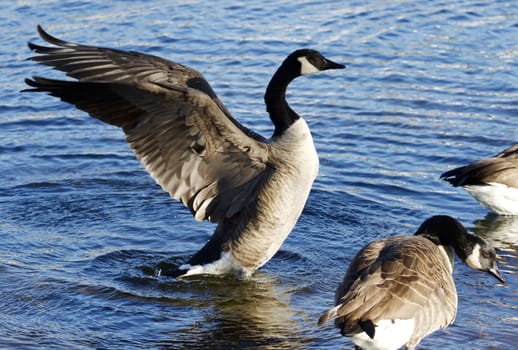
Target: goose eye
316,60
487,254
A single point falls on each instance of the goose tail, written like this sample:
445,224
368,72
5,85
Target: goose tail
328,315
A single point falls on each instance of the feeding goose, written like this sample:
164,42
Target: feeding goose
493,182
253,188
400,289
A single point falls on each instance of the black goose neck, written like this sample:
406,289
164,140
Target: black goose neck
281,115
448,232
464,245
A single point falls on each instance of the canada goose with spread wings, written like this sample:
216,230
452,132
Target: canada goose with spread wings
253,188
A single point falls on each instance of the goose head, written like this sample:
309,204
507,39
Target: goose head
299,62
311,61
303,62
481,256
474,251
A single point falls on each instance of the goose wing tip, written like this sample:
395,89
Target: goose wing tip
452,177
50,39
32,83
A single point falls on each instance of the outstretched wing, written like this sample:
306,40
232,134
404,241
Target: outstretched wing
173,121
502,168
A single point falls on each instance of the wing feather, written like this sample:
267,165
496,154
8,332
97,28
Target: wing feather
174,122
502,168
394,279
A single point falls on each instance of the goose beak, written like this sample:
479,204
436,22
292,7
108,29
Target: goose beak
495,272
333,65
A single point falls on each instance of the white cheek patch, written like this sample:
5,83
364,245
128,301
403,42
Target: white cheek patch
473,260
306,67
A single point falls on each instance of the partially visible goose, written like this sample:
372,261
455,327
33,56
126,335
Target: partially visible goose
253,188
400,289
492,181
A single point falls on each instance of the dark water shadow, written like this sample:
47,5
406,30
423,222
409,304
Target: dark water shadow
253,314
205,312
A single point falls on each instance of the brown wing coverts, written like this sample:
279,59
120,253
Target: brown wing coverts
173,121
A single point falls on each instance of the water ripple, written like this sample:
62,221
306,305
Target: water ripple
428,86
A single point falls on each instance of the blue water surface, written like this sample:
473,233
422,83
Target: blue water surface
429,85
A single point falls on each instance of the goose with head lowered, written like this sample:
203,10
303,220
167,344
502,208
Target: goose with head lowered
398,290
493,181
252,187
